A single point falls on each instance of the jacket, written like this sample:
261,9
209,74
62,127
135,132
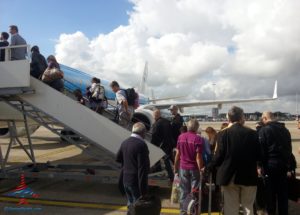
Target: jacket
134,157
276,145
237,155
162,135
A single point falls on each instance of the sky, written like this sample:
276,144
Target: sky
223,49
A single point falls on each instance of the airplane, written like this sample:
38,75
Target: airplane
75,79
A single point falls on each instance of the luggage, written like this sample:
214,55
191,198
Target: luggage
192,203
52,74
175,190
148,205
212,198
131,97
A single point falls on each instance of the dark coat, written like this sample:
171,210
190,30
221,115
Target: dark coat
276,145
134,157
176,124
38,64
162,135
237,155
2,52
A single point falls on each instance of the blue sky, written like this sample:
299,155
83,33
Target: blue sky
41,22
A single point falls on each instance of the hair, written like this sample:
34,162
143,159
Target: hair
5,35
193,125
52,58
94,79
77,92
224,125
114,84
210,130
35,49
139,128
268,114
14,27
235,114
183,129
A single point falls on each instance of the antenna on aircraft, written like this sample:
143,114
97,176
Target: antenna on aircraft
143,83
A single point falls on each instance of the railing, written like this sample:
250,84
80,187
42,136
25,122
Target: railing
7,49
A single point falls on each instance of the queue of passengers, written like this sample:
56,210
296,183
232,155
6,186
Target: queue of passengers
239,156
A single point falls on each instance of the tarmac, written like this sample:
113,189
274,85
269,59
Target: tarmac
61,196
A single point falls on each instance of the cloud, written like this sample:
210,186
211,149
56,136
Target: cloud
242,47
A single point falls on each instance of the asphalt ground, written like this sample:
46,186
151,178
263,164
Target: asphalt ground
56,196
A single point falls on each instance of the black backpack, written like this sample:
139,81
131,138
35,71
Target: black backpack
147,205
130,96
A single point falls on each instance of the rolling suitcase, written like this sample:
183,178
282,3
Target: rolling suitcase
148,205
212,198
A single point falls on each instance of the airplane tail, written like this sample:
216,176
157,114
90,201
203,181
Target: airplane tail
275,96
143,83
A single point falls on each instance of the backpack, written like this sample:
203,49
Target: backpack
147,205
131,96
99,93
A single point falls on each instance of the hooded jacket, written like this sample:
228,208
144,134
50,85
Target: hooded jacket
275,140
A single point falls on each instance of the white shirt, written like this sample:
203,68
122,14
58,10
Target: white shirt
137,136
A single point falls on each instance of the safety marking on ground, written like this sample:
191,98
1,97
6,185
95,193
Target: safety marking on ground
45,155
86,205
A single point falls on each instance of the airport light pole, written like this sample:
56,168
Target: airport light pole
214,90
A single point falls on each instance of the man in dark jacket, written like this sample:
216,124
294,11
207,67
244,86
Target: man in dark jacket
176,122
38,63
276,143
163,138
236,157
134,157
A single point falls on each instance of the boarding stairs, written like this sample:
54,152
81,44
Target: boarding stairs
57,112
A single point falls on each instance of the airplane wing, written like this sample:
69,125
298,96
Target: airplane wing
166,98
181,105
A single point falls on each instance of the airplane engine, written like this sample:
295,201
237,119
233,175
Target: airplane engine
145,116
21,131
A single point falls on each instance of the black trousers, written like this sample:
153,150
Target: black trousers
276,191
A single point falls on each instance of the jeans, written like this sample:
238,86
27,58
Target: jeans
189,179
132,193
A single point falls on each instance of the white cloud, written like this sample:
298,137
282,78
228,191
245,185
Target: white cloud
242,46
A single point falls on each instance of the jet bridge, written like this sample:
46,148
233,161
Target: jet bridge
56,111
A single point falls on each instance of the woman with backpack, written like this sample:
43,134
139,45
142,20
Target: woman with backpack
96,95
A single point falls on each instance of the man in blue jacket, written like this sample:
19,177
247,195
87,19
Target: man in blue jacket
134,157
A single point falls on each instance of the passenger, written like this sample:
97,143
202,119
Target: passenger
16,40
183,129
212,137
236,158
163,138
96,94
224,125
134,157
124,111
206,150
3,43
277,149
188,160
57,84
78,94
38,63
176,121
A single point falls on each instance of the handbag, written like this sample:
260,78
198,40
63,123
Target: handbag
52,74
